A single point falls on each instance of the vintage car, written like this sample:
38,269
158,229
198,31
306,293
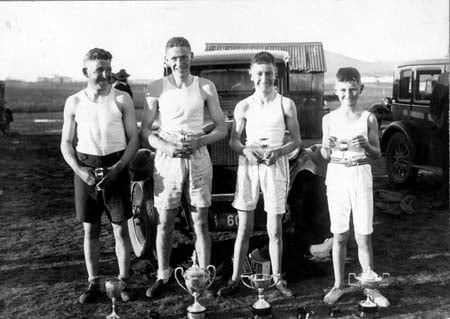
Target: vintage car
229,71
410,141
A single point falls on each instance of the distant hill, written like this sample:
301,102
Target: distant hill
334,61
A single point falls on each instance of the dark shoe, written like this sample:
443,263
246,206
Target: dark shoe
127,292
231,287
91,294
156,289
211,292
282,287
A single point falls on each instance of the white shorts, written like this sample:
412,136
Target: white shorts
349,189
272,180
192,175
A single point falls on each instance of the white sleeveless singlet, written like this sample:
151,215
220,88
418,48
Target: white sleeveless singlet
100,129
345,132
265,122
181,109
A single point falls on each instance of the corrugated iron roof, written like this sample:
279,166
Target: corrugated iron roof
304,56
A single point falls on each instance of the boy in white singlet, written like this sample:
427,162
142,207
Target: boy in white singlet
350,138
182,162
104,123
263,165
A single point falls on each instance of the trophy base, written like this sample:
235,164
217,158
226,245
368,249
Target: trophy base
262,313
367,311
196,315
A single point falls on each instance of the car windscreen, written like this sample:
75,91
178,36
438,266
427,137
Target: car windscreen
229,79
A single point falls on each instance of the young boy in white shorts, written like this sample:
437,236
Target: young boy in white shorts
350,138
265,115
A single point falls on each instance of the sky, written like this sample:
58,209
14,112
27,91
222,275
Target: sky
44,38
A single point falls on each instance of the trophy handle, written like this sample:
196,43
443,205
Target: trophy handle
177,270
243,278
211,274
354,282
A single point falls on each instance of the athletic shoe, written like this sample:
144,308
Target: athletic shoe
333,295
91,294
322,250
377,297
281,285
127,293
156,289
231,287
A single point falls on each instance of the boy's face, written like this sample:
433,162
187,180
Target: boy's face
263,77
98,73
348,92
178,59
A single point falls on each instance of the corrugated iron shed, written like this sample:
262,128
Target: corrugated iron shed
304,56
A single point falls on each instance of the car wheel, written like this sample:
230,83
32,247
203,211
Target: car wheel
399,160
142,226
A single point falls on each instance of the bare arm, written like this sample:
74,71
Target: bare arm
66,146
209,93
236,132
372,145
328,142
131,131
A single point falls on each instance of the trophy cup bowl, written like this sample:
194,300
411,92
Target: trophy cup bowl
261,308
196,280
367,309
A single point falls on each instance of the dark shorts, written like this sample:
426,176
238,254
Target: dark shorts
113,199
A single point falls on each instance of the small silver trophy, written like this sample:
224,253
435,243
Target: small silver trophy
264,144
367,309
261,308
99,173
196,280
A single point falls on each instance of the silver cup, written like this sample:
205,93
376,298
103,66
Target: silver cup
367,309
261,308
196,280
99,173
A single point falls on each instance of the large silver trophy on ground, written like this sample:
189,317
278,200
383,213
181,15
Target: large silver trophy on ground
367,309
261,308
196,280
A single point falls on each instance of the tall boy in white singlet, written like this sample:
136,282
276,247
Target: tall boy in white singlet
263,164
350,137
104,122
182,162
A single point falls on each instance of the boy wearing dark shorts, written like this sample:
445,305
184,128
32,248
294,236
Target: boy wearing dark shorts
104,123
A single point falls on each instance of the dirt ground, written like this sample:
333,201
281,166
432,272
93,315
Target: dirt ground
42,270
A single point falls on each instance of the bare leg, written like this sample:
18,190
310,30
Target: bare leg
203,238
339,254
245,228
275,232
365,253
91,246
166,222
123,248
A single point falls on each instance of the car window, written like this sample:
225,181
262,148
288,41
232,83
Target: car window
229,79
405,85
425,81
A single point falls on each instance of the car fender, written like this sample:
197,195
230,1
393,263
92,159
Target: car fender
412,134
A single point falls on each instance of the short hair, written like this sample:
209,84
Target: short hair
97,54
178,42
263,57
348,74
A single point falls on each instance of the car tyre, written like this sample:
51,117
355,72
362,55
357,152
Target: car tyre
399,160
